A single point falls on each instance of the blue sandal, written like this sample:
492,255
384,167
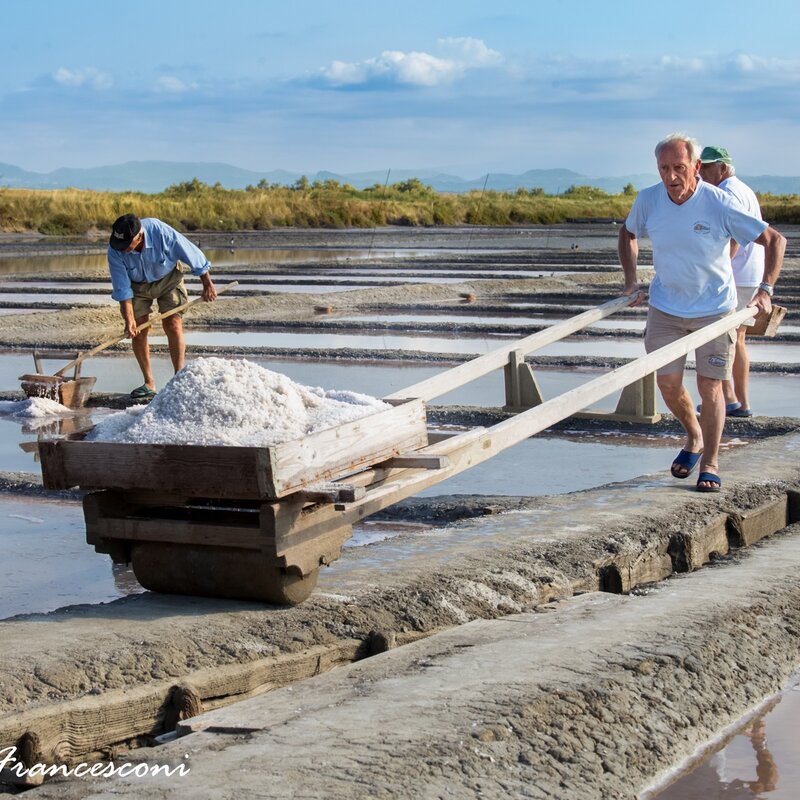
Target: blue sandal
688,461
709,477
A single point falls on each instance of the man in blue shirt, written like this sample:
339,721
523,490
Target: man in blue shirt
143,259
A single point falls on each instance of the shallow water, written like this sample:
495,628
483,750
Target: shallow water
48,565
230,257
25,299
760,758
486,319
466,343
771,394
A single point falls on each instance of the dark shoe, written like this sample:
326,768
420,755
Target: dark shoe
729,409
143,391
686,460
739,412
709,477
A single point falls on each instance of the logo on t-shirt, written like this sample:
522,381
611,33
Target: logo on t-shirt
702,227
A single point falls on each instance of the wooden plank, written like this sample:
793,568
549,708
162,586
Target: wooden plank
767,324
176,531
342,450
749,527
332,493
235,472
214,471
72,730
464,373
416,461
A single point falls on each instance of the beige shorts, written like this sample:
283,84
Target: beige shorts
169,292
744,294
712,360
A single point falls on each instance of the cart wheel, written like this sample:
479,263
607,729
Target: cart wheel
218,572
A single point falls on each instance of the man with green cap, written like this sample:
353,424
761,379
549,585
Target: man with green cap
716,167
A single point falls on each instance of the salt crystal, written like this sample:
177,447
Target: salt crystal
34,407
218,401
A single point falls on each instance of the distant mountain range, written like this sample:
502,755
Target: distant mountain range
155,176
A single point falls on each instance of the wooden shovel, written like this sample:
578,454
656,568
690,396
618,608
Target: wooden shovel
45,381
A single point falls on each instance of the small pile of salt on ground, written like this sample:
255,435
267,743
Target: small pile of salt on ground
219,401
34,407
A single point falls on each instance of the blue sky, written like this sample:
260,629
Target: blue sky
348,86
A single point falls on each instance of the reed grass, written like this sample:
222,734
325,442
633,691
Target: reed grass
193,206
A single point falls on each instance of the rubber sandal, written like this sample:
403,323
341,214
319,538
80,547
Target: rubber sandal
709,477
729,409
739,412
143,391
688,461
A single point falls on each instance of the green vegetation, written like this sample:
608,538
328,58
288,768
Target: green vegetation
194,205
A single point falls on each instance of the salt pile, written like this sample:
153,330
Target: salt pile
219,401
34,408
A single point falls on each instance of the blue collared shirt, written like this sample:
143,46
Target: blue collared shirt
163,248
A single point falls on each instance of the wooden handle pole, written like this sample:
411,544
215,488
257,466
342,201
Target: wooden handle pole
151,321
482,365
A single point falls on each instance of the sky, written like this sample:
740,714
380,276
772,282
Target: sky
463,86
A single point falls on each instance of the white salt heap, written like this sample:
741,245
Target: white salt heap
34,407
233,402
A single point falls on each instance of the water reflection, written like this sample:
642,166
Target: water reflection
760,758
230,257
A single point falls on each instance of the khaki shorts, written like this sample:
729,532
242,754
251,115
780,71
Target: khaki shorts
169,292
712,360
744,294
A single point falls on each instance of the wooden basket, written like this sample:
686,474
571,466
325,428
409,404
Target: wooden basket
72,393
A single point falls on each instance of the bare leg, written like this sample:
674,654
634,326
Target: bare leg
141,349
741,369
173,328
729,391
712,422
679,402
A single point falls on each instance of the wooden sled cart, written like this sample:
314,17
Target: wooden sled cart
257,523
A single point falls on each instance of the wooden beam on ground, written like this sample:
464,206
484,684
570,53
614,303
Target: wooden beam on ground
471,370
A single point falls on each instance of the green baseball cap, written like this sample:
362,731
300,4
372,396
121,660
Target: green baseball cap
712,154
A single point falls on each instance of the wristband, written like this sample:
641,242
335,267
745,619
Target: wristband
766,287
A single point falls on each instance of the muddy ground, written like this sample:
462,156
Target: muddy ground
91,680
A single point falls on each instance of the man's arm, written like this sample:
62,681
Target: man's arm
209,290
126,309
628,249
774,247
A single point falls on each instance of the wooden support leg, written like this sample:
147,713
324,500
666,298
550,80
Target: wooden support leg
522,388
637,403
639,399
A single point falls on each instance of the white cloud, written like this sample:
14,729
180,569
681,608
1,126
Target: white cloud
173,85
88,76
415,68
471,52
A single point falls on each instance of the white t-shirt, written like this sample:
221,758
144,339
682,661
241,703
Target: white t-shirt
691,247
748,263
